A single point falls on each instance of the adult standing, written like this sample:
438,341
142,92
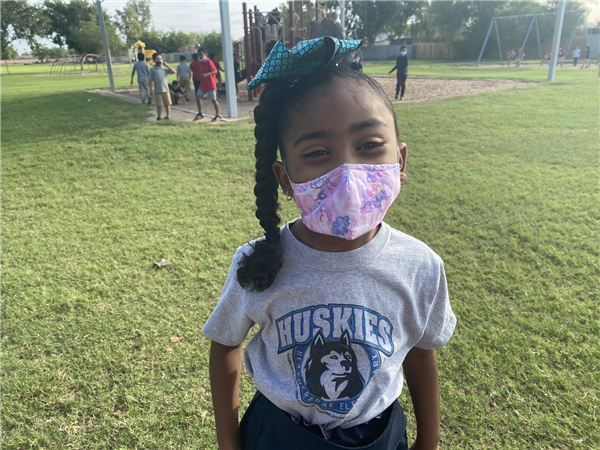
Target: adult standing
159,85
196,73
143,75
576,54
208,85
587,55
402,74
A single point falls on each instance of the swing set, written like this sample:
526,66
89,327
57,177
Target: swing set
534,20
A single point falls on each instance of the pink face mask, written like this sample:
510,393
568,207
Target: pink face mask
349,201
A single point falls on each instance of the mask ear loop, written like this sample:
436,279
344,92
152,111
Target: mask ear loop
289,196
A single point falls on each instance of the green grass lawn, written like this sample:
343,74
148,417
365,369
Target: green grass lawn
461,69
504,187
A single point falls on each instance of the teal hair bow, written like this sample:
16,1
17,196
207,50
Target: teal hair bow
305,57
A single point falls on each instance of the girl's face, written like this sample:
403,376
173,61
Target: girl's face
338,126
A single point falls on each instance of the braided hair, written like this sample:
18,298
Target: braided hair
279,103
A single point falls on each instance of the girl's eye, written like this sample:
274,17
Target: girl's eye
371,145
316,154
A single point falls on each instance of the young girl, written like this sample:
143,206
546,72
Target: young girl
347,306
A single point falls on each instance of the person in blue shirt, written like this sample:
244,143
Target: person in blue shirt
402,74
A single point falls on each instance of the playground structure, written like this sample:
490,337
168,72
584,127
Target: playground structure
263,30
534,20
76,65
138,47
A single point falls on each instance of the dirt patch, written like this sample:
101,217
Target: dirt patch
421,89
417,90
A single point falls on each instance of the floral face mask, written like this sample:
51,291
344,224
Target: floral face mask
349,201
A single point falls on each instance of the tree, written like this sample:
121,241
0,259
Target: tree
9,52
133,19
75,24
45,53
212,42
87,38
65,17
20,21
373,18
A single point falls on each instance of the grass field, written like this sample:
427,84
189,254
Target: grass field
505,188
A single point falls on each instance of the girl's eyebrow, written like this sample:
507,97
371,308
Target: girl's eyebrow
328,134
355,128
321,134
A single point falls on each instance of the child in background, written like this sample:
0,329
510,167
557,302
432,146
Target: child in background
347,306
207,86
509,57
143,76
356,65
586,56
183,75
159,86
212,57
402,74
561,56
177,93
520,56
546,59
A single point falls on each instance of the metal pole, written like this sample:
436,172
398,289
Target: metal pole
343,17
105,44
302,19
247,50
292,28
537,29
498,37
560,17
228,58
585,30
527,36
485,42
571,41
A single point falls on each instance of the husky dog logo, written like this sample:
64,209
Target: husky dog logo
334,351
331,370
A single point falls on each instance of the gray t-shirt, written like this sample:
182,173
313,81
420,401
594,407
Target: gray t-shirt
158,75
142,70
335,327
183,70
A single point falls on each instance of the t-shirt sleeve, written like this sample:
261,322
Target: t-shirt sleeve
211,66
441,321
228,323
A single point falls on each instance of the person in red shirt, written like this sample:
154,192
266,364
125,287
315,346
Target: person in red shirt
206,71
195,68
213,58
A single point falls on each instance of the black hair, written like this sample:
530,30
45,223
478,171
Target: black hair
211,55
175,82
403,47
279,103
201,50
182,58
195,56
154,55
141,56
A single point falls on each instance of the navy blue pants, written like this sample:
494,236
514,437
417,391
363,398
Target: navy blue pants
401,83
266,427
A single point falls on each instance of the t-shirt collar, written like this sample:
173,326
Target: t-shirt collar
333,261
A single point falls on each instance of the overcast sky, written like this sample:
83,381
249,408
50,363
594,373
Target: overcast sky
203,15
